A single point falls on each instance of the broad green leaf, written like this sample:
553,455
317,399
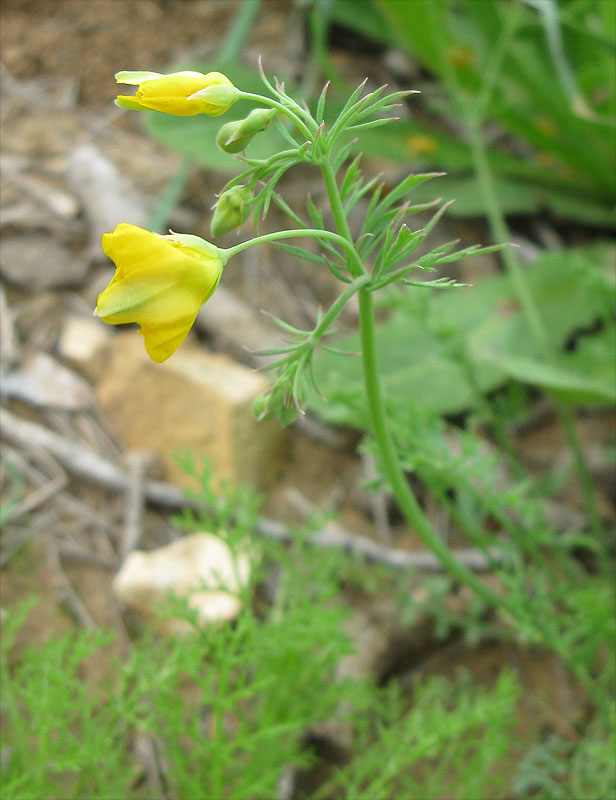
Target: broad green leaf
586,376
419,345
574,292
414,364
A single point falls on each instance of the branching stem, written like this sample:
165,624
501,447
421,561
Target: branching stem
296,115
380,428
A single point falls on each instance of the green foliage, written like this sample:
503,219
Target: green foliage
227,707
61,738
551,599
558,769
550,68
442,351
448,745
566,126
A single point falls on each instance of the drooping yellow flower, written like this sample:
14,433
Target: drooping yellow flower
173,93
160,283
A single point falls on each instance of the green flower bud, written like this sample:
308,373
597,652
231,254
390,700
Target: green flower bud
235,136
231,210
272,405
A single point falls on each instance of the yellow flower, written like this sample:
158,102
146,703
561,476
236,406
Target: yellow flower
173,93
160,283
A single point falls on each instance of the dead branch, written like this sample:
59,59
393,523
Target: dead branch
93,468
135,503
68,596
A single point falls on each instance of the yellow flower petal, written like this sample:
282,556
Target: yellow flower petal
135,78
173,93
159,283
129,101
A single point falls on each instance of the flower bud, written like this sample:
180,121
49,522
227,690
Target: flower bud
218,97
235,136
273,405
231,210
182,94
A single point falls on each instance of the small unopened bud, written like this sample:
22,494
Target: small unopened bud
235,136
272,405
231,210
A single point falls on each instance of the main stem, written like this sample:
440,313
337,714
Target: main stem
380,427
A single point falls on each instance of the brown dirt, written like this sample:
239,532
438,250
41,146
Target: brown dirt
82,43
89,40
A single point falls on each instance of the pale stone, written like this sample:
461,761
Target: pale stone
108,196
199,567
42,381
81,342
39,262
196,401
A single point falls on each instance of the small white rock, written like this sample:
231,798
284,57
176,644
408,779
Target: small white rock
81,337
107,195
185,567
43,382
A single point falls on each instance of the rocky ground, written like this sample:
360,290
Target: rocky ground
91,426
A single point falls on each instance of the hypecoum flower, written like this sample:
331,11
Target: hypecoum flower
160,283
172,93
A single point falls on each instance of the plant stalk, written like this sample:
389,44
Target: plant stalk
520,286
380,427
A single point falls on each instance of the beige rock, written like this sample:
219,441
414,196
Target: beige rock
81,342
39,262
196,401
107,195
199,567
44,382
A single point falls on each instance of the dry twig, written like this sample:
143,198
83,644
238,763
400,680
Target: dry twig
135,503
93,468
68,596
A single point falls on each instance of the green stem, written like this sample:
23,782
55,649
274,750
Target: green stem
266,163
294,115
521,288
501,234
473,116
391,465
338,306
356,266
312,233
374,395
